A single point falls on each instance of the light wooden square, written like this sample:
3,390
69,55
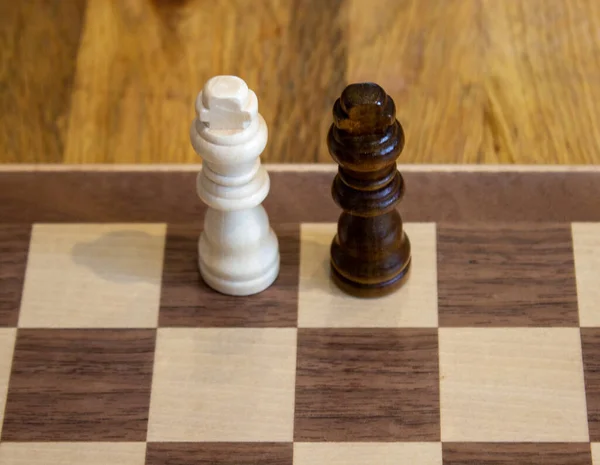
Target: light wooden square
93,275
389,453
7,347
223,384
322,304
586,251
63,453
512,385
595,453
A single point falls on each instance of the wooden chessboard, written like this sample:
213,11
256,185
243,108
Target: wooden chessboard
112,351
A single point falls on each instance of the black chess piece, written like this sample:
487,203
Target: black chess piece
370,254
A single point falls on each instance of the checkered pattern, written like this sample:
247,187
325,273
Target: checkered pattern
112,350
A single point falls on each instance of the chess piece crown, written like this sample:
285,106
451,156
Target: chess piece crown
229,134
365,139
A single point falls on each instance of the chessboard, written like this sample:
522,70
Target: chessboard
113,351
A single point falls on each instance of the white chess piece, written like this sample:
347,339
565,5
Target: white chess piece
238,251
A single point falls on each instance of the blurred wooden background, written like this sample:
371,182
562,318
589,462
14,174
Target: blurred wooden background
475,81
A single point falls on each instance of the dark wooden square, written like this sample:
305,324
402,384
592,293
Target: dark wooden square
590,344
80,385
506,275
14,247
223,453
367,385
516,453
187,301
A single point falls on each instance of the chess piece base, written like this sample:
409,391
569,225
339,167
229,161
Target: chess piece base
370,254
370,290
238,252
236,287
240,272
377,270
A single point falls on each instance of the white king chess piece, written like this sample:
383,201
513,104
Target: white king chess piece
238,251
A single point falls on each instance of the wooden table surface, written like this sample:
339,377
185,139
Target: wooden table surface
475,81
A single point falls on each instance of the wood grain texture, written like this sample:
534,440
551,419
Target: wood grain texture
541,66
187,301
7,345
139,66
364,453
590,344
223,385
312,76
476,81
14,246
44,453
39,41
142,62
586,254
512,385
428,56
170,196
109,276
481,81
516,454
392,373
503,275
79,385
223,453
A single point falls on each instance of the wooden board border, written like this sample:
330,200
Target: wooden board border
317,167
299,194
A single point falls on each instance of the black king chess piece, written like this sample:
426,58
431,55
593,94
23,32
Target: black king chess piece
370,254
